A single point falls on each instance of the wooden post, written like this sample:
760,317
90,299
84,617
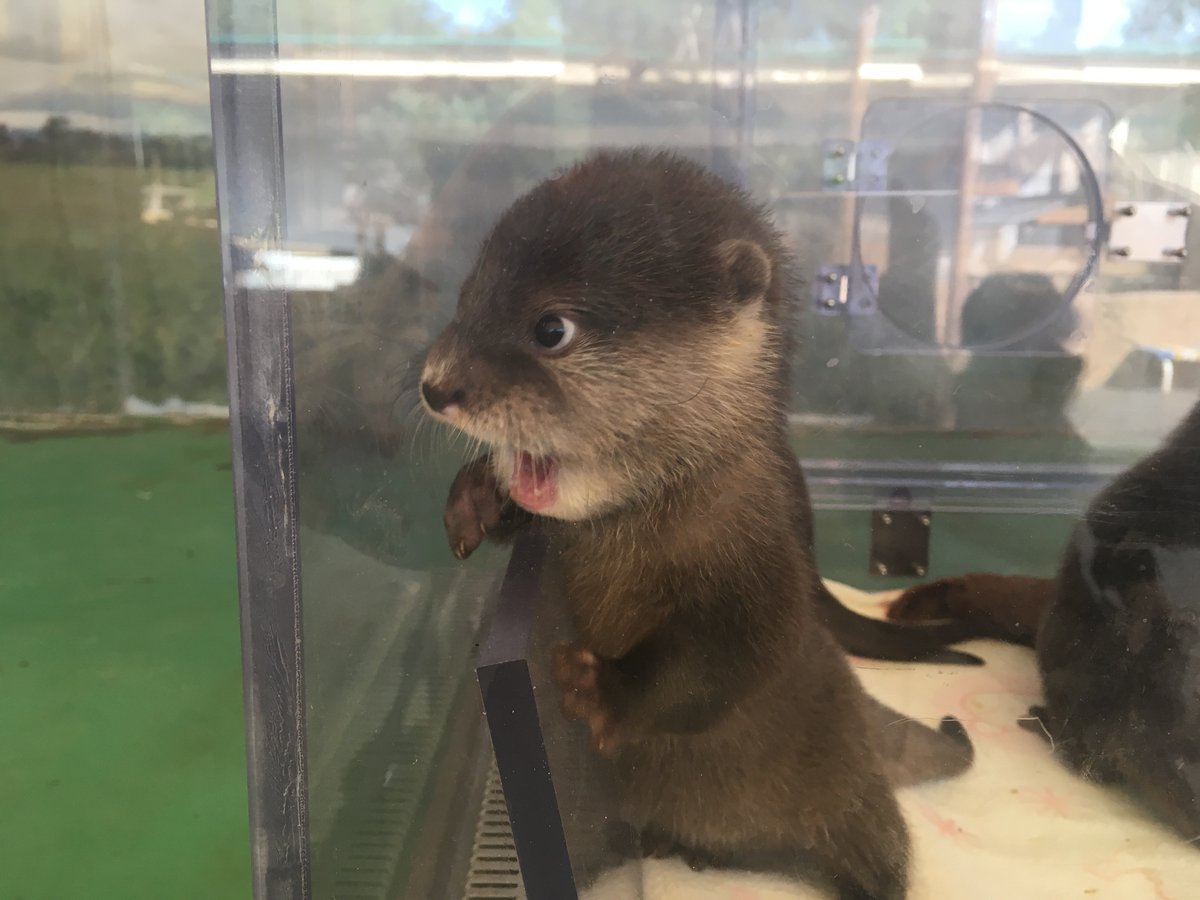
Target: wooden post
949,306
859,97
734,50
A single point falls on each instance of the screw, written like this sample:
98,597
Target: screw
838,179
839,151
925,520
920,570
831,277
881,568
1177,252
886,519
1127,210
1182,212
1119,251
829,303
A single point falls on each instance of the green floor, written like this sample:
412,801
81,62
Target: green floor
122,767
122,762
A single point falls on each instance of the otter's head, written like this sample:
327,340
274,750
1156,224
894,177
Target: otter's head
619,330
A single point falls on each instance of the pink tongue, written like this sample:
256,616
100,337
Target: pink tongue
534,481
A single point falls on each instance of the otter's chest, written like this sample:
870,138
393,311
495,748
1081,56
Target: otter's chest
616,597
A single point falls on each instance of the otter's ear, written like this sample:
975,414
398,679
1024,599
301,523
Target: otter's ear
747,267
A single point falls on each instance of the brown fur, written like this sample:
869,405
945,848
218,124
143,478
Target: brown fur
738,731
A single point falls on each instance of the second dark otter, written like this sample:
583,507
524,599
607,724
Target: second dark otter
1117,633
621,346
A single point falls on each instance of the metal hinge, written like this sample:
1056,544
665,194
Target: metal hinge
900,527
1149,232
846,289
850,166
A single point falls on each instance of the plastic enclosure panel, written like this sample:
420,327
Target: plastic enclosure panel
249,158
363,741
1039,160
973,344
367,755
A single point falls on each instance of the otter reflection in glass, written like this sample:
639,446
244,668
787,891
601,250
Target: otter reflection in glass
621,348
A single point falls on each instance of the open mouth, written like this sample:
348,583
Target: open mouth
534,481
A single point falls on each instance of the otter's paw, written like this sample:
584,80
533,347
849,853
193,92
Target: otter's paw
698,860
473,508
941,599
577,672
657,844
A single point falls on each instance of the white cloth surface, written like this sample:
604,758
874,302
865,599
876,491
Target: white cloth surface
1017,826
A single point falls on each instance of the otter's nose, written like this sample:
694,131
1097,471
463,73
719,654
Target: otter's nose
442,400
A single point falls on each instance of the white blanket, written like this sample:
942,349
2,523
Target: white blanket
1017,826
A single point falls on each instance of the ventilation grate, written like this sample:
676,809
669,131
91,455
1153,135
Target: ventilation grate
384,820
494,873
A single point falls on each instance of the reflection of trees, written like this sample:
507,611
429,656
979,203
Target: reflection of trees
61,143
680,31
634,31
1170,25
70,239
1168,21
432,118
416,18
94,302
932,24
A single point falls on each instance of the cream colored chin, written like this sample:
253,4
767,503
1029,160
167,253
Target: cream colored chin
582,494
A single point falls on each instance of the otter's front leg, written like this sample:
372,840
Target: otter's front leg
577,671
478,509
659,844
662,686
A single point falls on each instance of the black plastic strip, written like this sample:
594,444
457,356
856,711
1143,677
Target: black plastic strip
511,710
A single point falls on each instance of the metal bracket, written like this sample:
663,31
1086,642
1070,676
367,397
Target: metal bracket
1149,232
860,167
900,528
846,289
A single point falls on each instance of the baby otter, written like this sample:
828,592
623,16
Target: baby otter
1115,633
621,346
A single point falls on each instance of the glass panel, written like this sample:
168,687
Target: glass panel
988,204
118,170
123,747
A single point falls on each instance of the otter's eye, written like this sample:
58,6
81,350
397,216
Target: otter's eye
554,332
